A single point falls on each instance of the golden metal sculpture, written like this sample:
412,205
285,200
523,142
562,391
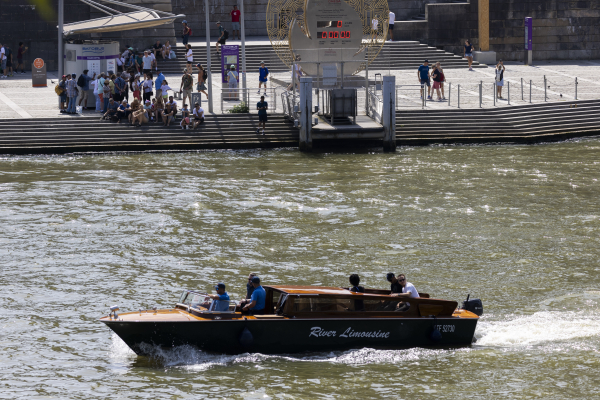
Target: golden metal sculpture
484,25
282,13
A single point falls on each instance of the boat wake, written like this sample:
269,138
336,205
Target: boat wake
540,328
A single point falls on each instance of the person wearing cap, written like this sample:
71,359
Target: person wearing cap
198,113
423,77
158,82
257,300
220,300
232,83
263,73
186,32
187,86
221,39
262,106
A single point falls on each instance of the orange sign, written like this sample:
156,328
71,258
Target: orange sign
38,63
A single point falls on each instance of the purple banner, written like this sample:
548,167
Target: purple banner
230,55
528,33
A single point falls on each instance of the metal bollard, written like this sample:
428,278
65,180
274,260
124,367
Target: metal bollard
458,98
449,92
522,97
545,88
530,91
495,92
480,94
575,88
508,92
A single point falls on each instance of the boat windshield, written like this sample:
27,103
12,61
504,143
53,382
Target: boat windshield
203,303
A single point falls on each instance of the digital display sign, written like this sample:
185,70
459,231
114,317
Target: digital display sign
333,34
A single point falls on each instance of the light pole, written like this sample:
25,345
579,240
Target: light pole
61,17
210,99
243,46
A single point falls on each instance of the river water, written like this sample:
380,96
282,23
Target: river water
517,226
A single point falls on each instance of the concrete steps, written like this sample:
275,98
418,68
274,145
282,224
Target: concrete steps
531,123
394,55
87,133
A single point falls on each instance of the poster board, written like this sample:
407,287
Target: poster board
230,55
39,77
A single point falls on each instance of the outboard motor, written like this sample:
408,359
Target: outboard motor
475,306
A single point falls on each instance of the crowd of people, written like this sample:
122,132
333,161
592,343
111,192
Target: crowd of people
7,61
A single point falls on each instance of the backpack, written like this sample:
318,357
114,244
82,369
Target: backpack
225,34
81,81
204,76
189,31
59,90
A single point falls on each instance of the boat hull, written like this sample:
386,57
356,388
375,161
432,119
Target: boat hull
295,335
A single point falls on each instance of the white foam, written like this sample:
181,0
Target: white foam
538,328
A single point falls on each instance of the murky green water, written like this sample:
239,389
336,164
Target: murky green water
517,226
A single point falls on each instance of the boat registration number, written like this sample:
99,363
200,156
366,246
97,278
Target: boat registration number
445,328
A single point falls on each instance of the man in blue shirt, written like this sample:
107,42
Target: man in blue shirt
120,88
221,299
262,107
158,83
257,305
423,76
83,91
263,73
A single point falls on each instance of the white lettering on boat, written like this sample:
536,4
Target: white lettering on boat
445,328
317,331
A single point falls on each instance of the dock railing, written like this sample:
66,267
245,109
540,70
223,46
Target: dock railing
231,97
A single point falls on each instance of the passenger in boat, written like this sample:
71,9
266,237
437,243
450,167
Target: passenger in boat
395,286
257,303
359,305
408,291
220,300
249,290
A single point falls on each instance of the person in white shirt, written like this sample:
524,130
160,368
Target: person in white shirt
190,58
164,89
391,26
198,113
408,291
146,62
3,60
153,57
95,83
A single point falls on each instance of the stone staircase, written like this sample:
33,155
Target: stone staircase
520,124
394,55
88,134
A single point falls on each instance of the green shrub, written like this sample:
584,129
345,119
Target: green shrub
240,108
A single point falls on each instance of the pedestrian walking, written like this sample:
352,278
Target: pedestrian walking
499,78
263,73
202,78
187,32
72,94
187,86
223,36
235,22
468,53
21,50
442,78
436,76
423,77
262,106
190,58
391,25
3,61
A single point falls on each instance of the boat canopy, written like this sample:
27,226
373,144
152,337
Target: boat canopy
119,21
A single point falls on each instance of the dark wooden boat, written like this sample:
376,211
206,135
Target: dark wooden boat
300,319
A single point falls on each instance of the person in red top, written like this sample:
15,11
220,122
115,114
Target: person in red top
235,21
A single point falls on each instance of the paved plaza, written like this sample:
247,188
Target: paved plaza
18,99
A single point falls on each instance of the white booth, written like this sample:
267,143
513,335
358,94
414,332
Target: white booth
94,55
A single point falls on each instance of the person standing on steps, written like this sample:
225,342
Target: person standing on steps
499,78
262,106
187,31
468,53
263,73
158,83
391,26
202,77
187,86
235,21
423,77
222,36
190,58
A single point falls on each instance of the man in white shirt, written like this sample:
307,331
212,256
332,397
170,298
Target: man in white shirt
198,113
146,62
391,26
408,291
